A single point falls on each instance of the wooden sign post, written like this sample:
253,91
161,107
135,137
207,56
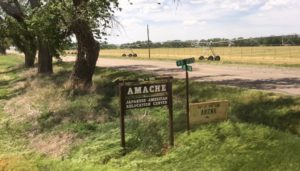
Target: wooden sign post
145,93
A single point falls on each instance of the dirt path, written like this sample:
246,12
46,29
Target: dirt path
276,79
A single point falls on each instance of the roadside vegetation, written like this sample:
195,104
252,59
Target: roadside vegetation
46,125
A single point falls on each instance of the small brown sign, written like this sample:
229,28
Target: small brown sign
207,112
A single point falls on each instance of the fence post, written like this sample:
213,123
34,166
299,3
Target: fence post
241,52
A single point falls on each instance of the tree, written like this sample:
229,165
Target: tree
44,46
4,40
32,28
87,20
91,14
51,34
17,30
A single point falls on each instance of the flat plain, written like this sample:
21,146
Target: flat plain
268,55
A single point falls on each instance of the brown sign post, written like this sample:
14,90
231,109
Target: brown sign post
145,93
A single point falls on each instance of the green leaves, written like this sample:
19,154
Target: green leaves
53,20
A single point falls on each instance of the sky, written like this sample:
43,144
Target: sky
203,19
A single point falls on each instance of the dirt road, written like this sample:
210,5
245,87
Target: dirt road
275,79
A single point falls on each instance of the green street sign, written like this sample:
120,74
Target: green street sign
180,63
185,61
190,60
187,68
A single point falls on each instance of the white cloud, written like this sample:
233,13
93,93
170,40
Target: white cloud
193,22
228,4
197,1
197,19
271,4
131,22
190,22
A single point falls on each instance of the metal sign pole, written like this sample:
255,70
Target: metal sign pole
187,100
184,65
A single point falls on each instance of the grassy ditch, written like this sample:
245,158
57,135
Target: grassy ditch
45,126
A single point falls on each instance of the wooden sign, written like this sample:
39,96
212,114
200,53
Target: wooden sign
146,95
208,112
143,93
147,102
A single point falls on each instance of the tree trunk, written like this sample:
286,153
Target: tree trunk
29,57
2,50
44,59
29,48
87,56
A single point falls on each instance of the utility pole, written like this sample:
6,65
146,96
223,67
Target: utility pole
149,53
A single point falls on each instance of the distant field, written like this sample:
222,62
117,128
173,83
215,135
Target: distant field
277,55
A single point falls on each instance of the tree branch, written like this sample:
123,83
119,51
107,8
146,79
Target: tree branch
35,3
13,10
77,3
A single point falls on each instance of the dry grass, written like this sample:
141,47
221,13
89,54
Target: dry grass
21,110
42,96
16,163
278,55
26,106
38,94
4,77
55,145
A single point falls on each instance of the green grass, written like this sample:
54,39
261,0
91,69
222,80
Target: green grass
262,64
262,132
10,139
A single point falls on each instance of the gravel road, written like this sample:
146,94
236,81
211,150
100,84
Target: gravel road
275,79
